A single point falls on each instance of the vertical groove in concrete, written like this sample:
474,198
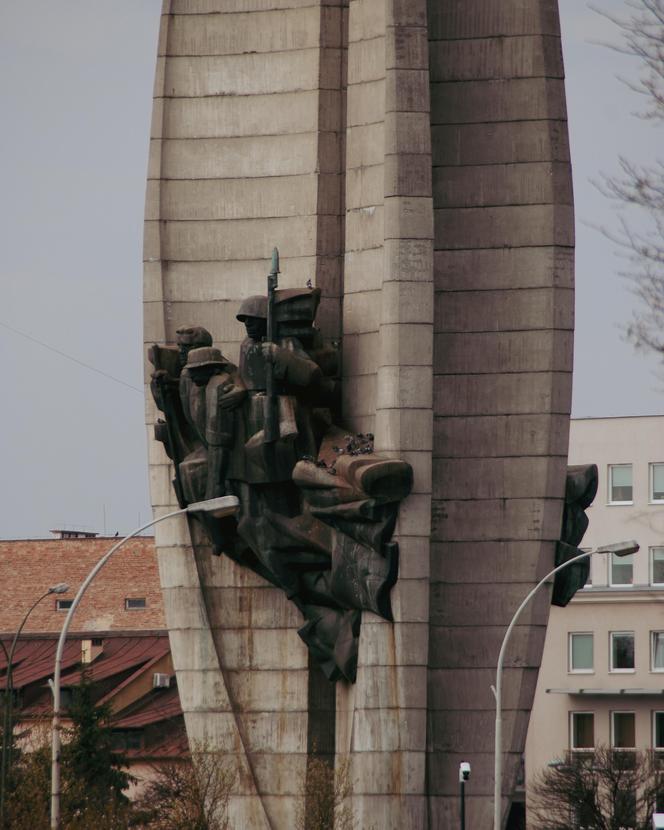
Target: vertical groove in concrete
363,240
502,373
331,166
363,237
389,296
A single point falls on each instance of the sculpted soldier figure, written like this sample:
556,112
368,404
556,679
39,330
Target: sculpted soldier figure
580,490
174,431
317,507
209,392
198,390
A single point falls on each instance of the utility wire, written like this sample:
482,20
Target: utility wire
69,357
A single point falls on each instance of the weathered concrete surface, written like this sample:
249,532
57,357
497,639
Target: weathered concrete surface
245,155
502,363
388,351
411,159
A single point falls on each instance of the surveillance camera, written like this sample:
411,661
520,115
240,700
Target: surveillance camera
464,771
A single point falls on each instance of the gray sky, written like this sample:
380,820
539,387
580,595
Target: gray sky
75,89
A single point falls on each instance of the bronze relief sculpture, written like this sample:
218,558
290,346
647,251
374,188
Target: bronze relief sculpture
316,506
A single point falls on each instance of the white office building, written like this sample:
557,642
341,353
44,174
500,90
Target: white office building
602,675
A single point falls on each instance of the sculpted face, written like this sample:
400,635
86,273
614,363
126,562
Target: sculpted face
256,327
202,374
183,351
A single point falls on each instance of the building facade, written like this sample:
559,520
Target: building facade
117,637
602,676
125,596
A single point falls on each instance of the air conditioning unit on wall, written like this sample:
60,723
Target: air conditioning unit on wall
160,680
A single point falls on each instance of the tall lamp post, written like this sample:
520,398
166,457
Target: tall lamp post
620,549
7,723
217,508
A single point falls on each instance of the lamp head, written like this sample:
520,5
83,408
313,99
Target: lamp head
620,548
60,588
217,508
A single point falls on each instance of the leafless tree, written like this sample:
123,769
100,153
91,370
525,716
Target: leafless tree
641,186
325,802
604,790
186,795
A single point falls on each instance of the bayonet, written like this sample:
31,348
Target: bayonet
271,412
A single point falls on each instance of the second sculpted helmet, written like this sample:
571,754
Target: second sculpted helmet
205,356
255,306
195,336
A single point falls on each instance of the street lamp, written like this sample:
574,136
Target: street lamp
7,725
464,775
217,508
620,549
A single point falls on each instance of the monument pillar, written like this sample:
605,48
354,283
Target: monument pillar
410,159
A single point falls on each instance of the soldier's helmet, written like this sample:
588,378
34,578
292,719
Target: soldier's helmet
205,356
255,306
194,336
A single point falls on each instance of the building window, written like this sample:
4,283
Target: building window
620,484
623,730
622,651
124,739
657,566
658,730
63,604
622,569
657,651
66,697
657,482
135,603
581,652
582,728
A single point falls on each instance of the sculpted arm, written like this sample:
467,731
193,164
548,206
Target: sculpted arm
291,367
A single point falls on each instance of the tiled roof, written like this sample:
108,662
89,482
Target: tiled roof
172,746
34,658
162,704
124,658
120,654
33,661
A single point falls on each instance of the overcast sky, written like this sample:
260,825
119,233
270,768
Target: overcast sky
75,96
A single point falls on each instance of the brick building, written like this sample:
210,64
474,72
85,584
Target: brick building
117,635
125,595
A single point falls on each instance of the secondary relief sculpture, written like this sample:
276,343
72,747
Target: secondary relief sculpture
580,490
316,505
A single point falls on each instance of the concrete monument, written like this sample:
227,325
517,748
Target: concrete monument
411,161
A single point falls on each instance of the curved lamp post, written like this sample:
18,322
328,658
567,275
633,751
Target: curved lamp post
620,549
7,724
223,506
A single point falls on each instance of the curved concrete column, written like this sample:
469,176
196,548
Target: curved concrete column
504,238
388,351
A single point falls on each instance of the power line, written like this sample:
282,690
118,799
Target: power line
69,357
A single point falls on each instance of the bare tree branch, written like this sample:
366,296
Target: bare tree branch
640,187
602,790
